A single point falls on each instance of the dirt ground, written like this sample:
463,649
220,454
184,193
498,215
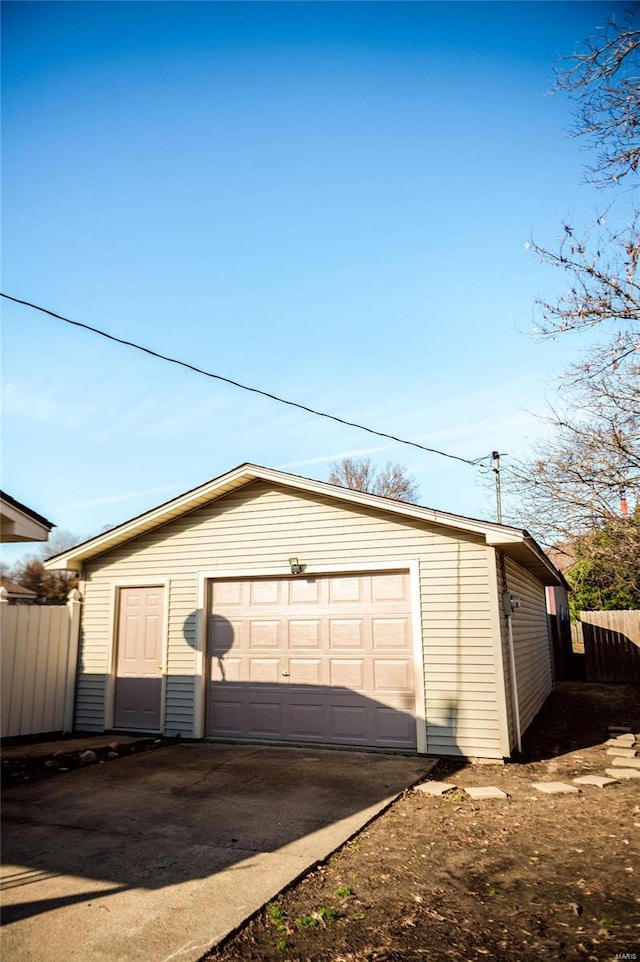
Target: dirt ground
531,878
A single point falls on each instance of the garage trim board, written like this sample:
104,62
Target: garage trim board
408,567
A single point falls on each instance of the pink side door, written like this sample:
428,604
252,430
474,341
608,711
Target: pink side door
138,687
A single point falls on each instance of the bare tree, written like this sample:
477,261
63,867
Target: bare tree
603,77
577,477
604,291
571,483
50,586
389,481
59,540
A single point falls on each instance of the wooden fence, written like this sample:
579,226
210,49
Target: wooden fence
611,644
39,660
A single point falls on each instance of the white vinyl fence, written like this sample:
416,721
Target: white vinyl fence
39,649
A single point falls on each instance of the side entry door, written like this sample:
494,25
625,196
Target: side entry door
139,670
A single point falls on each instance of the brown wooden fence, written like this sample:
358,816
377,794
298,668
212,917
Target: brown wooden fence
611,641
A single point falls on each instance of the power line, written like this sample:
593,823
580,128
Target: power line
238,384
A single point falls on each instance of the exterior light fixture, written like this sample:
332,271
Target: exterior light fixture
296,567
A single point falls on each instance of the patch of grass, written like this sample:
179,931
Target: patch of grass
606,922
455,796
328,914
306,921
277,917
321,915
344,892
282,944
353,846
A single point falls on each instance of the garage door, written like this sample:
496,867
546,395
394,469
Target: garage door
325,659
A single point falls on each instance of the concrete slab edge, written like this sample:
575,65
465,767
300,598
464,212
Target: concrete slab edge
381,808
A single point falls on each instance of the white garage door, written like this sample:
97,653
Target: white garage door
326,659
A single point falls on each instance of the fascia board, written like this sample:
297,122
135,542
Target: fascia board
430,515
183,504
245,474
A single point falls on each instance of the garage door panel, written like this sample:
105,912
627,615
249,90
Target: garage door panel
304,634
225,669
394,728
264,718
265,593
348,723
223,634
227,716
347,674
264,671
305,591
346,633
343,589
227,593
390,633
395,676
305,721
391,587
305,671
264,634
326,659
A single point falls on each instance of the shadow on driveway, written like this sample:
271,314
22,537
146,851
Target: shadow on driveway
160,855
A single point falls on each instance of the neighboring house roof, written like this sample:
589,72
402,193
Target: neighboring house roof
562,557
20,523
514,542
16,591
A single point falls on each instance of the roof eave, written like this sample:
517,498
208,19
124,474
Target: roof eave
73,559
501,536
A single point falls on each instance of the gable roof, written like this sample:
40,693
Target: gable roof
20,523
15,590
515,542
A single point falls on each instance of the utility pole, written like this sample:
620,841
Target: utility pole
495,467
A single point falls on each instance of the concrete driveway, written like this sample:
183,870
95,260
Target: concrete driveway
158,856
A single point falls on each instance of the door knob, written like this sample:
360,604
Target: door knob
285,674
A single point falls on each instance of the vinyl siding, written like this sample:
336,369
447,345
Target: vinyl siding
258,528
531,641
504,642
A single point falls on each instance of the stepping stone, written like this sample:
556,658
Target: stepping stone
434,788
619,729
622,741
488,792
598,780
628,762
621,773
622,752
556,788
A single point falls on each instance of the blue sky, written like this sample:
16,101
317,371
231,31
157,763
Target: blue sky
328,201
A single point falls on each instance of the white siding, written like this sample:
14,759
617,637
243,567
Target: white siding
531,641
258,528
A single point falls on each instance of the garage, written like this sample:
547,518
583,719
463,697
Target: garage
325,658
296,611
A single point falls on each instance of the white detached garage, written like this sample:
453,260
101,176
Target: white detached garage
267,607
